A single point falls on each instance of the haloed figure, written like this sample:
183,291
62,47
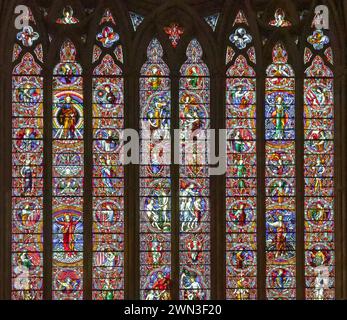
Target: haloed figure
68,17
68,119
68,229
280,118
280,237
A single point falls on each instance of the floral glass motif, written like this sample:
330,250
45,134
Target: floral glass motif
241,184
108,67
194,190
28,36
174,31
318,40
68,173
28,65
241,67
155,178
280,21
240,38
319,161
280,178
107,37
67,17
319,69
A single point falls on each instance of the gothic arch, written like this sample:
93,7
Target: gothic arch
194,27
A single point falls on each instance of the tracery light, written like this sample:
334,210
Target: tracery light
280,19
136,20
174,31
212,20
68,16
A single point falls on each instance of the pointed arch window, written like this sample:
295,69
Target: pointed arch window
280,214
155,177
68,173
108,171
194,184
27,165
319,163
241,183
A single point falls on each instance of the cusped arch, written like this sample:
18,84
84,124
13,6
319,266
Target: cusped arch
231,12
194,27
335,32
289,43
121,24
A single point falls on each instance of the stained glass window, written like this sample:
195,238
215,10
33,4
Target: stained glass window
108,172
174,32
319,167
194,190
68,173
155,177
68,16
27,166
280,212
241,185
71,230
279,20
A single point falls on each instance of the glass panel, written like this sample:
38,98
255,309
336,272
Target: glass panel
280,189
108,170
68,173
194,184
155,177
